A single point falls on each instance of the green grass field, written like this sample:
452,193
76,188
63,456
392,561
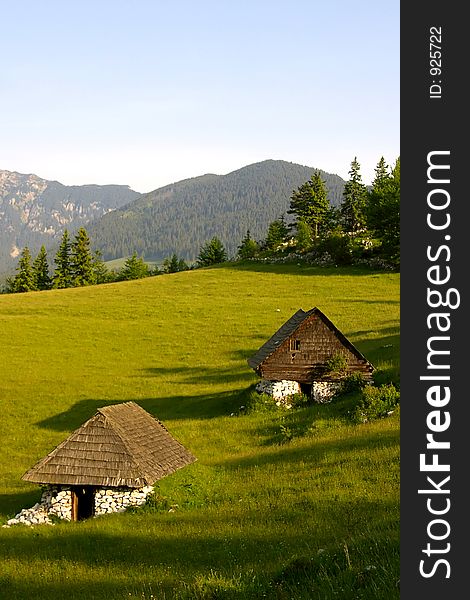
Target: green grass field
258,515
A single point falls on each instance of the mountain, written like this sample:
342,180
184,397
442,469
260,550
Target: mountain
34,211
182,216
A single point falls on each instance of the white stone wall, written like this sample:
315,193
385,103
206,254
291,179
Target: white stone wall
324,391
109,500
57,501
278,389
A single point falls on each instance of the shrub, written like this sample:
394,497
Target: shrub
354,382
299,400
257,402
338,246
337,364
376,402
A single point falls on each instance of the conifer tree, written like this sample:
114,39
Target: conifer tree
383,209
354,200
277,233
41,270
81,261
211,253
248,247
100,271
24,279
63,272
310,203
134,268
173,264
303,237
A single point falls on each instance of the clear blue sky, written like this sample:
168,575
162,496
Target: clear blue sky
148,92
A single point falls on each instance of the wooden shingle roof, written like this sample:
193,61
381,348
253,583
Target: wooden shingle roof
282,334
122,445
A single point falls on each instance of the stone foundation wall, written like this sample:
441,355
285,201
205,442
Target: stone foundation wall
57,501
109,500
322,391
278,389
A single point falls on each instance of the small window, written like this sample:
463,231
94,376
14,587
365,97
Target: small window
294,345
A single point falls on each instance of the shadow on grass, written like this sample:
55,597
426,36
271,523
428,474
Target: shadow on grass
198,375
317,454
162,551
294,268
11,504
203,406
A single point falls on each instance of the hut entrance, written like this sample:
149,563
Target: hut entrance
306,388
83,503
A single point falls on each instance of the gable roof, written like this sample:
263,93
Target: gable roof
283,333
290,327
122,445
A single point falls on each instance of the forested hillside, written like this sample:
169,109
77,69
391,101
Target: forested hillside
182,216
35,211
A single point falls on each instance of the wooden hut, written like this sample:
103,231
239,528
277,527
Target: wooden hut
109,463
300,351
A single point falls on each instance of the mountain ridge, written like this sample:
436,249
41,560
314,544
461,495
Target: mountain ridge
180,217
35,211
176,218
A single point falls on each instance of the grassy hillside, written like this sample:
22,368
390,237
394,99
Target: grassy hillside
261,514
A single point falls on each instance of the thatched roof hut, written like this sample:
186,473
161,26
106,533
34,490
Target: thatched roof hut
300,349
121,446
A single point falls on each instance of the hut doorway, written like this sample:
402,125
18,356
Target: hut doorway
83,503
306,388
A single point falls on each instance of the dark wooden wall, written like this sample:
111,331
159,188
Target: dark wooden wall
318,343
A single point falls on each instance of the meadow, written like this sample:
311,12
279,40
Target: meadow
281,504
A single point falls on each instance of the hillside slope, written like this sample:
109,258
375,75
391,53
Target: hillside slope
35,211
272,492
182,216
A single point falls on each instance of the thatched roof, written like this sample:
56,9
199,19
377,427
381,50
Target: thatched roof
289,328
122,445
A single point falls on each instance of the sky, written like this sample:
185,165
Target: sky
148,92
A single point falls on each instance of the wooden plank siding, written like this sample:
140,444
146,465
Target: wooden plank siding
303,353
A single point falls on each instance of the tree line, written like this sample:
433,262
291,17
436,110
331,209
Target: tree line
366,224
75,265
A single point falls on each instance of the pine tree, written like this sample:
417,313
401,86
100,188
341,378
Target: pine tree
383,210
310,203
63,272
100,270
303,237
354,201
382,176
134,268
248,247
24,279
211,253
81,261
277,234
173,264
41,274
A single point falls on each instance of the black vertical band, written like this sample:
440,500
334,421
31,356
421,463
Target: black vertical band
435,352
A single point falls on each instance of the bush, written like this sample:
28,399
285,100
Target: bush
338,246
354,382
337,364
257,402
299,400
376,403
